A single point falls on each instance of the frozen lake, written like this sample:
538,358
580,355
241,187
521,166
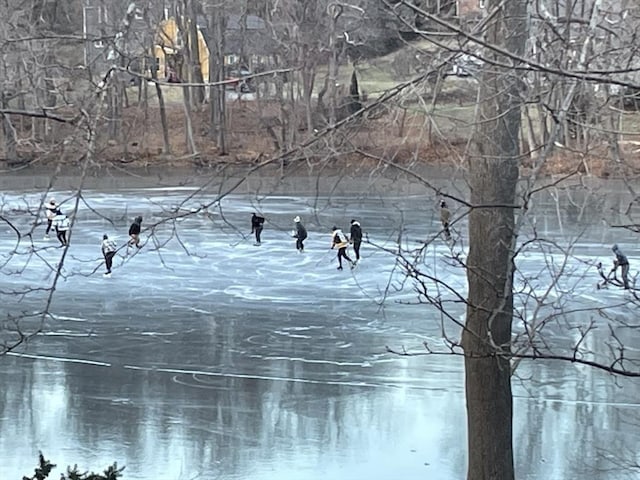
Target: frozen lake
205,356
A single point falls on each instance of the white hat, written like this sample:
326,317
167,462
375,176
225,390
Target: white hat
52,203
297,219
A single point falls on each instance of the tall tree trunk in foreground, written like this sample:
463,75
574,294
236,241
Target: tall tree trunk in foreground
217,94
493,173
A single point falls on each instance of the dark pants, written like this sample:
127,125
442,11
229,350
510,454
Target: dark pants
356,248
342,253
108,260
299,244
62,236
49,224
258,231
447,232
625,274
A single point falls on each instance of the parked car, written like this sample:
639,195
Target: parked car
466,65
238,81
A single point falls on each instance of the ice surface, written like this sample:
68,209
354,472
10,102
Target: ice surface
204,356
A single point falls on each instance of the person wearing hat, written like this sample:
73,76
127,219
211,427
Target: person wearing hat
356,238
445,217
50,211
256,227
134,232
108,251
300,234
621,261
338,239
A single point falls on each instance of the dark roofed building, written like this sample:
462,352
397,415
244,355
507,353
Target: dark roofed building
247,35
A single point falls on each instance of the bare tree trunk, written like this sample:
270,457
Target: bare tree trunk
166,147
194,54
112,99
9,133
493,172
191,144
613,136
308,74
216,74
334,11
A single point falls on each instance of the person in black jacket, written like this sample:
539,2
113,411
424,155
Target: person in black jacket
256,226
134,232
300,234
356,238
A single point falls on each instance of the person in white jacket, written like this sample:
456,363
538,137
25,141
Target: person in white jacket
108,251
339,240
50,211
62,224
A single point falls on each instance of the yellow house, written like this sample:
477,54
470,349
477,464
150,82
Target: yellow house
169,51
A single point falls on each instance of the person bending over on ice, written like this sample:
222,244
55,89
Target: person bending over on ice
256,226
445,217
134,232
339,240
356,238
108,251
62,224
50,210
300,234
622,262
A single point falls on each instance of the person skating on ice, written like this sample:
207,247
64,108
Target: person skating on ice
445,217
62,224
356,238
621,261
108,251
134,232
50,211
300,234
257,223
339,241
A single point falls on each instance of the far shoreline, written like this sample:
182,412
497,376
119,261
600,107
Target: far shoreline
297,178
